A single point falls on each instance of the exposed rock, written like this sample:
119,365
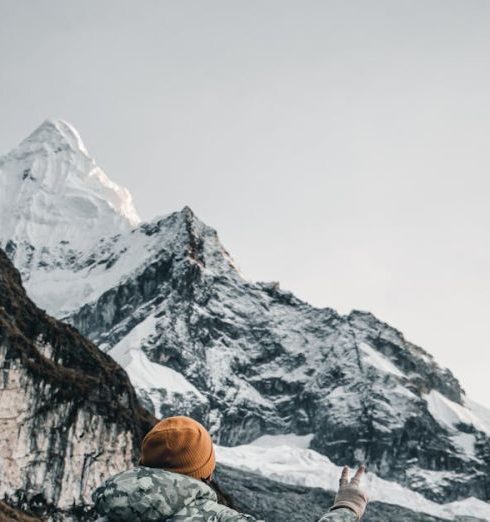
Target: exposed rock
68,413
166,300
262,361
9,514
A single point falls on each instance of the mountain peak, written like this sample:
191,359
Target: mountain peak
54,134
52,192
188,212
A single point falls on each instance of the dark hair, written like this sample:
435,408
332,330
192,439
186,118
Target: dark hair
223,498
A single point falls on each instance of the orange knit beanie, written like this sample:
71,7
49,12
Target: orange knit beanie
181,445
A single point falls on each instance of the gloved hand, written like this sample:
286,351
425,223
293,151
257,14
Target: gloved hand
350,495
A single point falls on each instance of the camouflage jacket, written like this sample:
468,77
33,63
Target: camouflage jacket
339,515
148,494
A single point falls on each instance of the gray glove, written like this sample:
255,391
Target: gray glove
350,495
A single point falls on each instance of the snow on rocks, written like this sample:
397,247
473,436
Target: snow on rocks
169,303
287,459
450,414
374,358
147,376
462,421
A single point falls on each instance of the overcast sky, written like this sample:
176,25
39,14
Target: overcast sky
341,148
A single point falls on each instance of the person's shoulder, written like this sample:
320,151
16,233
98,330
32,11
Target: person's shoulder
144,474
134,491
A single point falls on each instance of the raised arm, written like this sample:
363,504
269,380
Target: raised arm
350,501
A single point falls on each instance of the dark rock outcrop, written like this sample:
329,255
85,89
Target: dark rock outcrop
68,414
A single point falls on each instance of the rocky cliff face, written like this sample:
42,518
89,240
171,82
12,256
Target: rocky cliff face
68,414
167,302
68,419
253,359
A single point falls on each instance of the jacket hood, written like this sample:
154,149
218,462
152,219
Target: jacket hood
149,494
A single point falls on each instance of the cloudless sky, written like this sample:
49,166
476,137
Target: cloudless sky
341,148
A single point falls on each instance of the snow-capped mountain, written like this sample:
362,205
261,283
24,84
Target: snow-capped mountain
55,200
251,359
167,302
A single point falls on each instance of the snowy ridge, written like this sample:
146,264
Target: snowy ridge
287,459
54,134
61,290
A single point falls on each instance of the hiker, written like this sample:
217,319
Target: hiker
174,482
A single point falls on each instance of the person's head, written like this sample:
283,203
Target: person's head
181,445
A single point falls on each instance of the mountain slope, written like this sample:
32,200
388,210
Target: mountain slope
68,420
255,360
68,413
166,300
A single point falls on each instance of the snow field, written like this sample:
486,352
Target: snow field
285,458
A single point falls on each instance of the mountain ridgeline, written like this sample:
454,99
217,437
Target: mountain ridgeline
257,360
70,419
166,301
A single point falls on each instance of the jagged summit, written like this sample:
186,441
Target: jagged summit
179,240
54,196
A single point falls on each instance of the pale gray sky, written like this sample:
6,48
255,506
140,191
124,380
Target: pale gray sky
341,148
